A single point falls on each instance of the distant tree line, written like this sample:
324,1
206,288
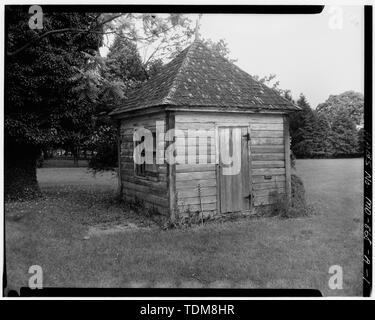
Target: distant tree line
334,129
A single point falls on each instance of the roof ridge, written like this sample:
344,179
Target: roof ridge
257,81
172,89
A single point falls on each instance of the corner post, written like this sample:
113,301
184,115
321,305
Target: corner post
119,186
288,187
171,169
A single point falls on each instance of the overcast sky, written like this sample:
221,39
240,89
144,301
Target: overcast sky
304,51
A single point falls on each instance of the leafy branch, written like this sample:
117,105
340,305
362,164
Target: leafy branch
64,30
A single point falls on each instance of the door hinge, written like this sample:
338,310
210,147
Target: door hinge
247,136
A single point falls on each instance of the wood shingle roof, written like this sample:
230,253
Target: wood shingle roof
199,77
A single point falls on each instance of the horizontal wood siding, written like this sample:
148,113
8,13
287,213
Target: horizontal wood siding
196,166
150,190
267,158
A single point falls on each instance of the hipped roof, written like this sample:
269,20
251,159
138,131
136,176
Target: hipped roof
200,77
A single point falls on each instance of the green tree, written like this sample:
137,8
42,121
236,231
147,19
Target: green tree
154,67
41,107
344,135
301,128
271,82
361,141
122,68
343,113
55,81
322,137
350,102
123,62
122,71
305,144
220,47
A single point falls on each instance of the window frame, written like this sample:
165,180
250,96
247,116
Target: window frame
140,170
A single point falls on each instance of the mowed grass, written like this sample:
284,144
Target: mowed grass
63,163
248,253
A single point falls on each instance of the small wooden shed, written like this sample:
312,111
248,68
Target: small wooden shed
200,90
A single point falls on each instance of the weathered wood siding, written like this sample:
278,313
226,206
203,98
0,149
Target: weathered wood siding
151,190
268,172
200,169
267,158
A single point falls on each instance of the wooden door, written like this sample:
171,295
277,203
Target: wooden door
234,183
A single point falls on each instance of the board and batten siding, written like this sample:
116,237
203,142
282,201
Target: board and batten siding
267,159
150,190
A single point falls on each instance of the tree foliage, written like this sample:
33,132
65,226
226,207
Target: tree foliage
58,87
123,62
327,132
40,102
343,113
348,102
271,82
41,106
220,47
158,36
344,135
122,71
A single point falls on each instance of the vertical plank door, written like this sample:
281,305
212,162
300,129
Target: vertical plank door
234,182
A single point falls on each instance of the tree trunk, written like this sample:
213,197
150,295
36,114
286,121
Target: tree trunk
75,154
20,182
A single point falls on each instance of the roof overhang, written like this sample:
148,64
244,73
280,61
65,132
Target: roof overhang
128,113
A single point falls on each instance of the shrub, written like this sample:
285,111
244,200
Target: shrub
298,192
292,160
138,206
297,206
187,220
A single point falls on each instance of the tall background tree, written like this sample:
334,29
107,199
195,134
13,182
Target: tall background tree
344,136
40,105
330,130
302,129
122,69
343,115
125,68
348,102
57,86
221,47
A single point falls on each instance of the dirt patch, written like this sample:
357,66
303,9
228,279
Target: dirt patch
110,228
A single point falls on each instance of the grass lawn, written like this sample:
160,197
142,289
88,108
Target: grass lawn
55,232
63,163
